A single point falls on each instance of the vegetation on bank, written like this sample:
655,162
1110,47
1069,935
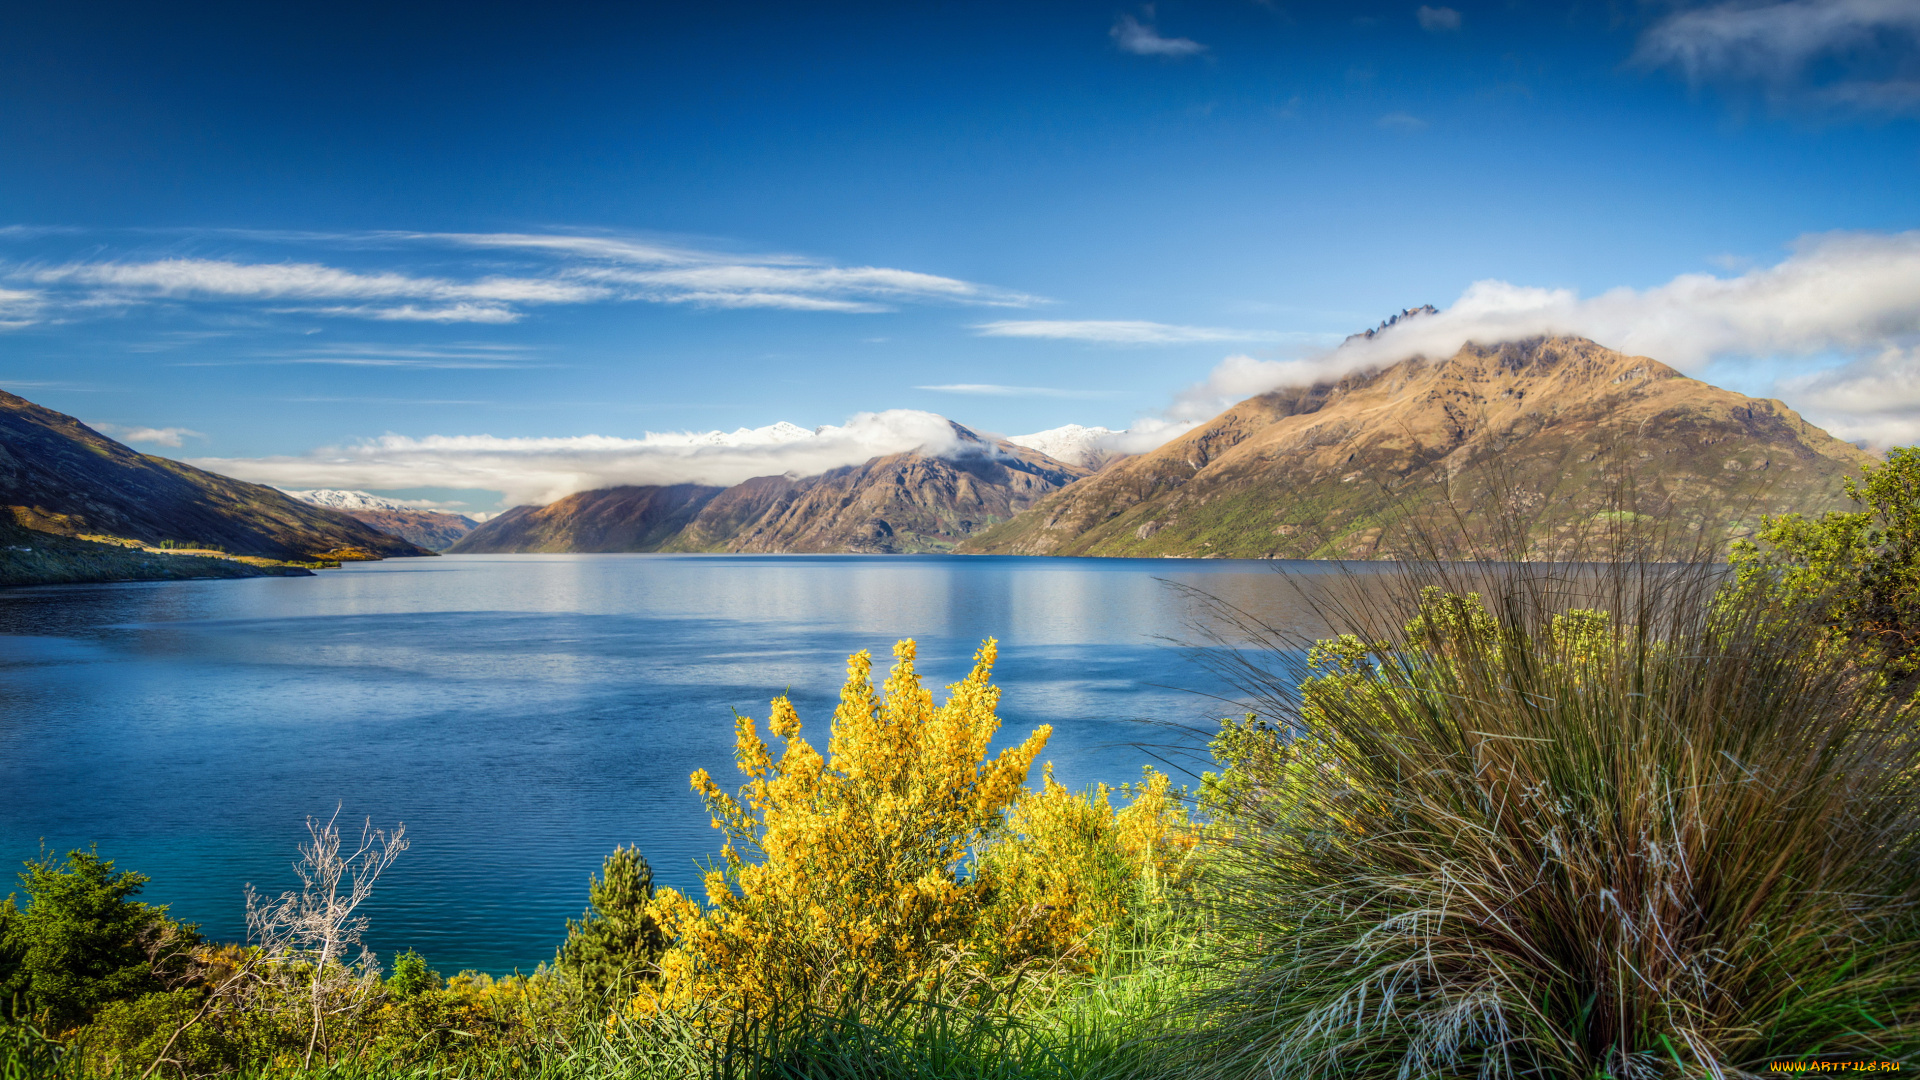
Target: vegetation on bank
1629,821
31,557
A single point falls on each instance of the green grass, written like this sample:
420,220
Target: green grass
1102,1025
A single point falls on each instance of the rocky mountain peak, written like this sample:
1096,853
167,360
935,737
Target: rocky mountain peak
1394,320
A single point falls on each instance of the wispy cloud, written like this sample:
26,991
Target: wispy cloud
1856,54
450,313
18,308
302,281
1852,296
560,269
451,358
998,390
166,436
1141,39
541,470
1400,121
384,401
1437,20
1116,331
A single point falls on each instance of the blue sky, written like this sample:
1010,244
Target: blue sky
273,236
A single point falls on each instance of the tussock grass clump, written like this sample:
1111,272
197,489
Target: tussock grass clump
1563,822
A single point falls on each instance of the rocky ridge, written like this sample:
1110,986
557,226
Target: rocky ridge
1551,428
896,503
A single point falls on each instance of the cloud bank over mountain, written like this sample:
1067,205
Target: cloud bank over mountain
542,470
1846,304
1840,314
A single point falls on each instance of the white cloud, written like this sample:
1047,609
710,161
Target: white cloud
1435,20
1133,36
998,390
541,470
562,269
166,436
302,281
1846,294
1875,398
807,288
1116,331
613,248
451,313
18,308
1400,121
459,357
1853,53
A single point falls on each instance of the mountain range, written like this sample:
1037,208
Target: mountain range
897,503
1560,433
435,530
1555,429
107,502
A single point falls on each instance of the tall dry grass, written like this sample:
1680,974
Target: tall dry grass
1680,843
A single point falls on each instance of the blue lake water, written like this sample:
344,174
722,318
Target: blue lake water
525,714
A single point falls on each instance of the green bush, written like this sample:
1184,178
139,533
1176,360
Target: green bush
1858,571
411,977
83,941
129,1036
616,944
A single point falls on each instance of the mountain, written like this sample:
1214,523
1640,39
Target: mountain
1087,447
892,504
1550,426
339,499
59,476
895,503
435,530
608,519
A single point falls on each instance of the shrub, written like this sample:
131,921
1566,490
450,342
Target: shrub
129,1036
1857,571
1595,825
846,871
411,977
616,943
83,941
1073,867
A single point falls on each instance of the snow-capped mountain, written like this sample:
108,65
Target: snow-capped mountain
1071,443
772,434
336,499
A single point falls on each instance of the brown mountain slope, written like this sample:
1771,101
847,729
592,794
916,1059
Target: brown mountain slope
899,503
430,529
1551,426
610,519
59,476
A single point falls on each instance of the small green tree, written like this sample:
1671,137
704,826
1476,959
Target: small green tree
615,943
411,977
83,941
1856,571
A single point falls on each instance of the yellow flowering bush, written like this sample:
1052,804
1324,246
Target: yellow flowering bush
847,870
1075,866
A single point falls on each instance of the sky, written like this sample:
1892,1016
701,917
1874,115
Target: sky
481,254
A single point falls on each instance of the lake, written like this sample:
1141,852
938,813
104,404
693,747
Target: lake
525,714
